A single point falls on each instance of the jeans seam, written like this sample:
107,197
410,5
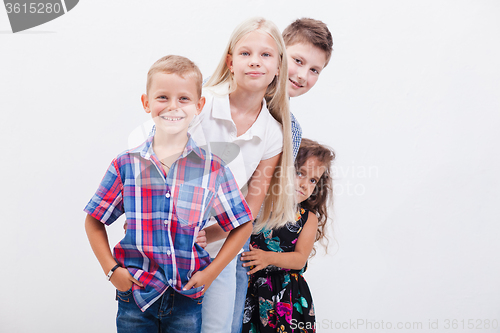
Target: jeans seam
173,302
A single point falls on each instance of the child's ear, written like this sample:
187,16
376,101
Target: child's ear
229,62
145,103
200,105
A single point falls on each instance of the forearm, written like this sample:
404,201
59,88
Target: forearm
215,233
288,260
260,259
233,244
98,239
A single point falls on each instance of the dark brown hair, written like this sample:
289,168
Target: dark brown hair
322,197
310,31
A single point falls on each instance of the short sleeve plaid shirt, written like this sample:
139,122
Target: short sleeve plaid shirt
165,213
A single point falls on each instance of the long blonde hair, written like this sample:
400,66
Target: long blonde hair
280,198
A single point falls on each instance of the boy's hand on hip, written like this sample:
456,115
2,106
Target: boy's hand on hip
199,279
122,280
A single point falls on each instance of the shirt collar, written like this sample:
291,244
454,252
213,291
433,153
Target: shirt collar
146,149
221,109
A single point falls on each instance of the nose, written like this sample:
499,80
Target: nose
173,105
255,61
302,182
301,74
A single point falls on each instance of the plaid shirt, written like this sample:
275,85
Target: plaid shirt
296,135
165,213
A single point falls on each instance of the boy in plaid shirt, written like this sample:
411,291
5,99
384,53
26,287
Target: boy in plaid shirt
167,188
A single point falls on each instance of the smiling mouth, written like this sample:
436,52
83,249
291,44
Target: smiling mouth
171,118
295,84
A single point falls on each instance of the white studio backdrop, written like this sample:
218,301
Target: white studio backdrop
410,102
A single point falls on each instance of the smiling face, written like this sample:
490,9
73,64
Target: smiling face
305,63
254,61
307,177
173,102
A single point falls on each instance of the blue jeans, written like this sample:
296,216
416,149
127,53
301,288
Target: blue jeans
164,315
218,304
225,299
241,292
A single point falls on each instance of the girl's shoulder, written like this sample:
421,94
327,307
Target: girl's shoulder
301,217
312,218
304,215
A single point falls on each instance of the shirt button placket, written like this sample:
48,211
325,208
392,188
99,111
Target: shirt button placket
167,195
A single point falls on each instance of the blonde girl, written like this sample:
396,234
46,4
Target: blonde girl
246,121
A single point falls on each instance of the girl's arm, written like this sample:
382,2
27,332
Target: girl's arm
257,189
290,260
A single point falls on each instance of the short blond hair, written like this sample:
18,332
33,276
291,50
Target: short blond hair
310,31
174,64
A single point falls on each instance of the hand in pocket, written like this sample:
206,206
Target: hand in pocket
122,280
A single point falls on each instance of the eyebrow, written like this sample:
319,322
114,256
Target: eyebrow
304,60
269,49
265,48
169,91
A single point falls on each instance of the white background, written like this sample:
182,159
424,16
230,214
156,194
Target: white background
410,103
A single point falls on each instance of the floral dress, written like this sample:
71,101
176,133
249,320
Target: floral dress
279,300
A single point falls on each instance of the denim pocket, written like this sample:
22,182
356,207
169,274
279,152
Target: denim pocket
124,296
199,300
192,291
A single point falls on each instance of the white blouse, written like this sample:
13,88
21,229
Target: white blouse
242,154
